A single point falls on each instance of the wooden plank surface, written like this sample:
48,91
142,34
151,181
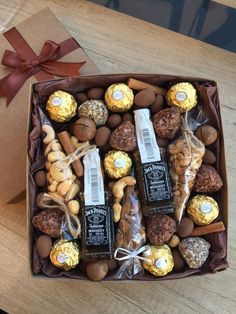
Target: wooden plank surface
118,43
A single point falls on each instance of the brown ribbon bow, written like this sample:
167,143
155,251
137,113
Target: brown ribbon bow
25,66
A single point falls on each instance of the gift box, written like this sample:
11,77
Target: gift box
20,47
208,99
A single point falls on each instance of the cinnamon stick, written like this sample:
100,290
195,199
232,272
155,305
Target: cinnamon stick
215,227
139,85
65,141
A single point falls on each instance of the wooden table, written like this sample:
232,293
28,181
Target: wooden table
119,43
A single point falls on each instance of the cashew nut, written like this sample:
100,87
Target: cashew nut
55,156
48,165
59,174
76,144
50,133
64,187
118,193
56,147
74,207
53,186
73,190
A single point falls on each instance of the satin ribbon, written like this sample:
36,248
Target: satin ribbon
71,219
132,254
25,63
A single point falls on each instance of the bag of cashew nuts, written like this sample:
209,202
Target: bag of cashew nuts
185,159
131,237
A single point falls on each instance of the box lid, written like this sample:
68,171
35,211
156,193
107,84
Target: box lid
13,127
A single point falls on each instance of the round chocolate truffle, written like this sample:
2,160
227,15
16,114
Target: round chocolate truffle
94,109
179,263
185,227
84,129
81,97
128,117
97,270
96,93
114,120
44,245
40,178
209,157
160,228
144,98
162,142
102,136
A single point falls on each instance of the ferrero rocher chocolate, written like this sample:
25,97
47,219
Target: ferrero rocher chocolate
182,95
119,97
65,254
61,106
117,164
161,260
203,209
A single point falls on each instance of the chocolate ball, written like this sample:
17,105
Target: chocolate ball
160,228
162,142
114,120
158,104
179,263
144,98
102,136
81,97
128,117
84,129
112,264
185,227
44,245
206,134
96,93
40,178
209,157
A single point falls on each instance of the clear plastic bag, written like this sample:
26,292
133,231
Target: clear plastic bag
186,154
130,237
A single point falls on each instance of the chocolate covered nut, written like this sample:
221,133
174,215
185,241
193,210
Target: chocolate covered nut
84,129
206,134
102,136
160,228
207,180
185,227
96,93
162,142
158,104
209,157
40,178
166,122
179,263
114,120
128,117
44,245
97,270
144,98
123,138
94,109
81,97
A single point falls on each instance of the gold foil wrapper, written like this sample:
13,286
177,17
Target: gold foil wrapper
119,97
65,254
61,106
117,164
203,209
161,260
182,95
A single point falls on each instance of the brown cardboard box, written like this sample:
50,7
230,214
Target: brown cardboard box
36,30
209,100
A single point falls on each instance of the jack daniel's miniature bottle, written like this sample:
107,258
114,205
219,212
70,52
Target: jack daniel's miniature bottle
97,220
151,168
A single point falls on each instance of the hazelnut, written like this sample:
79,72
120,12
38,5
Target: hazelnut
84,129
206,134
97,270
207,180
174,241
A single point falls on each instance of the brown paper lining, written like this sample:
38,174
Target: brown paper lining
208,99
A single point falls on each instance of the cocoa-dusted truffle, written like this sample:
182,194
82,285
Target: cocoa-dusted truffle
102,136
127,117
185,227
158,104
96,93
207,180
166,122
160,228
209,157
114,120
40,178
144,98
195,251
123,138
